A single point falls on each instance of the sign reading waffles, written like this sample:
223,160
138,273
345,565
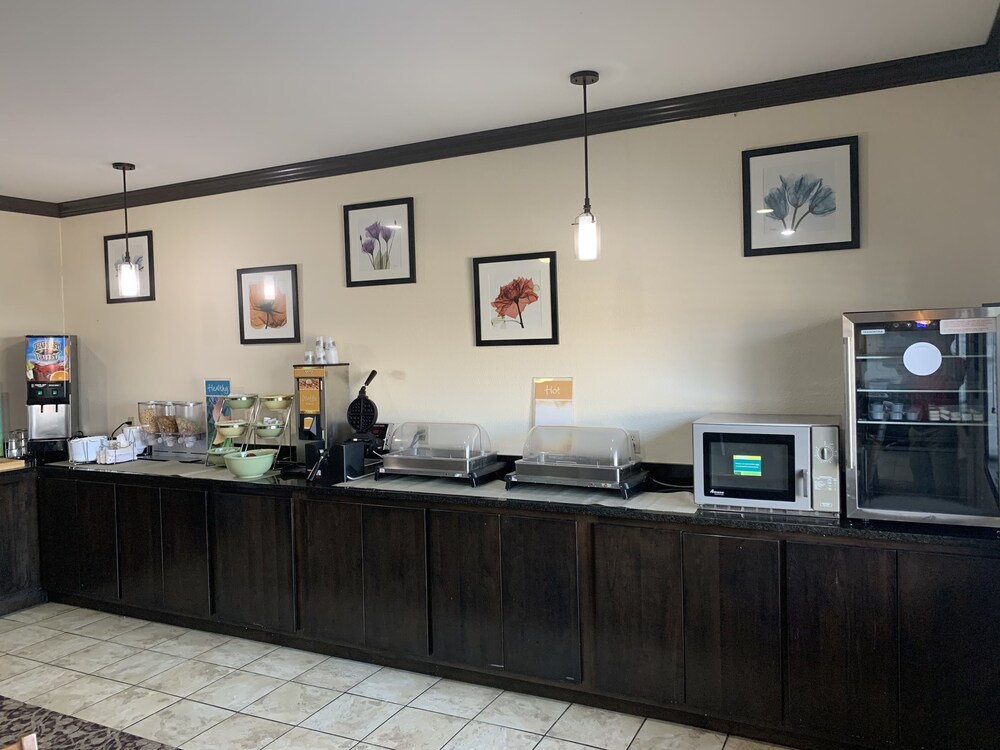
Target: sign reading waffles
47,358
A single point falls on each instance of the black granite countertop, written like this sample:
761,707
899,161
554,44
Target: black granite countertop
663,507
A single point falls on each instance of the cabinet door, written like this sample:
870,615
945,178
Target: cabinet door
638,596
139,545
395,576
98,539
732,626
19,566
59,535
184,523
330,582
949,607
843,645
252,561
540,598
464,570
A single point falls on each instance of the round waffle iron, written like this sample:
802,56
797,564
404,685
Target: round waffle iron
362,414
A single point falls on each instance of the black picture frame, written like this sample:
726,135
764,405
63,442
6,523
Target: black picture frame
368,253
810,188
497,280
140,248
263,310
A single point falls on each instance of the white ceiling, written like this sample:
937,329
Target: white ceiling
189,89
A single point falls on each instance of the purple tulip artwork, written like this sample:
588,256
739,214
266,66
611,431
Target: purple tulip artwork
378,242
801,198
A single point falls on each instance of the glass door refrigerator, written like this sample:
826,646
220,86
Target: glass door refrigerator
921,416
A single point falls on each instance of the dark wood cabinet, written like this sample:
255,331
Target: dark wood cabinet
20,577
732,626
184,529
140,545
58,535
638,602
540,598
330,582
949,678
98,540
252,560
842,638
464,580
395,579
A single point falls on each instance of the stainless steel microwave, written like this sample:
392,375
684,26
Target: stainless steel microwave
766,461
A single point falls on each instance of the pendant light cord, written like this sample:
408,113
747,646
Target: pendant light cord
586,156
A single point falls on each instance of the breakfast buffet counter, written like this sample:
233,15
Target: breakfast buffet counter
800,632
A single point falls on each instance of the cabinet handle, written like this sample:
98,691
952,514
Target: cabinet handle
850,402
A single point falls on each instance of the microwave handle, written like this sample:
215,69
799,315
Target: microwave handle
850,402
805,484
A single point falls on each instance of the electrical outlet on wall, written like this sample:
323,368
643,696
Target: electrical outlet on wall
127,421
634,434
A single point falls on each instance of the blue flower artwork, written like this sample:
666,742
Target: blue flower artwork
803,193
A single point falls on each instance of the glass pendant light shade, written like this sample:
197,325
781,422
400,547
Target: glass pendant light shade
587,237
128,279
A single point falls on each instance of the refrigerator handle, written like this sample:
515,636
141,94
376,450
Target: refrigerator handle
850,402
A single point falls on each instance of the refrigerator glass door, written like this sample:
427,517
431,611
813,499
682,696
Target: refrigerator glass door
925,418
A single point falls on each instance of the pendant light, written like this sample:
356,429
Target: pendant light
587,237
128,272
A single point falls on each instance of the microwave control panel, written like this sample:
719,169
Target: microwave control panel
826,468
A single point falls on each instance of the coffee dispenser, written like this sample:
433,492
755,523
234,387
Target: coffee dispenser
52,386
321,398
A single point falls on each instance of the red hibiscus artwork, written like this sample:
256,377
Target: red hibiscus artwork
514,297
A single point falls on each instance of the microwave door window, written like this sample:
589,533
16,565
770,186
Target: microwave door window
754,467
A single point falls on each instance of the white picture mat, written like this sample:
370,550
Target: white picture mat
537,316
833,165
282,285
138,247
399,256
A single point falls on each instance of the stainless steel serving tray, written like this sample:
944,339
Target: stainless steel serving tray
438,462
579,472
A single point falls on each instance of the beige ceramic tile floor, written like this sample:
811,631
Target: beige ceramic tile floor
202,691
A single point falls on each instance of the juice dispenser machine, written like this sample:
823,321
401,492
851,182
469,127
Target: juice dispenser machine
321,398
52,385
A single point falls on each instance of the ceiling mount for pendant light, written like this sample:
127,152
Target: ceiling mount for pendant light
587,237
128,272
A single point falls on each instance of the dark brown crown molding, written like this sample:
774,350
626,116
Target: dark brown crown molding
909,71
992,46
26,206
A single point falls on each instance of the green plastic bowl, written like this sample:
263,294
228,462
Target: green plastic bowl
250,464
267,430
240,401
231,429
277,402
217,456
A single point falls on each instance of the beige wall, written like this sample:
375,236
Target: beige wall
672,323
30,300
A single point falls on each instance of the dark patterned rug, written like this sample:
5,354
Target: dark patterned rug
59,732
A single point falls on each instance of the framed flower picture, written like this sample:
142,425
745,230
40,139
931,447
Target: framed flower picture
269,305
378,242
140,251
801,198
515,299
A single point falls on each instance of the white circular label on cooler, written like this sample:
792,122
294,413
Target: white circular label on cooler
922,358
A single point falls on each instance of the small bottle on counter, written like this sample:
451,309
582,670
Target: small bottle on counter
330,352
319,352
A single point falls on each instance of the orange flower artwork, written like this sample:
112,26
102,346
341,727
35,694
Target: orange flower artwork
264,312
514,297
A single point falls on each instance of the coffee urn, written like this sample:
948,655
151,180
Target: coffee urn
52,380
